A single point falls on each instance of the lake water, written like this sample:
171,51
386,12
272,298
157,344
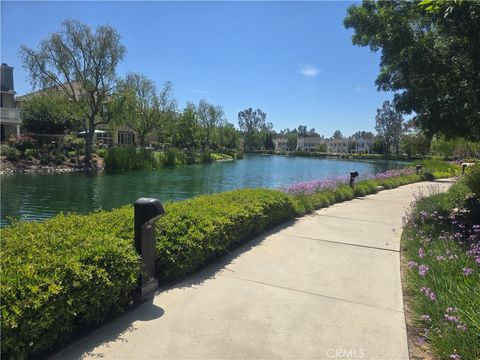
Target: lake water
36,197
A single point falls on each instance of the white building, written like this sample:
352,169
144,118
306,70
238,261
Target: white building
309,143
9,115
280,144
363,146
337,146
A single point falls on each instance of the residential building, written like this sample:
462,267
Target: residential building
363,146
106,134
309,143
337,146
9,115
280,144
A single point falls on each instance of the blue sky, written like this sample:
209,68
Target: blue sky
294,60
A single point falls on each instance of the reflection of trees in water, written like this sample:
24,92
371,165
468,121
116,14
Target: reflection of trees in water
41,196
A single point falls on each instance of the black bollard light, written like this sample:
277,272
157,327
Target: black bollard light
147,211
353,175
464,166
418,168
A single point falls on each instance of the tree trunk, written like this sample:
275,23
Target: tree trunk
89,140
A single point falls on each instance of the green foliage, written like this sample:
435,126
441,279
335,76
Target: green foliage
455,148
10,152
441,239
416,48
195,231
129,158
22,142
30,154
472,179
49,112
63,275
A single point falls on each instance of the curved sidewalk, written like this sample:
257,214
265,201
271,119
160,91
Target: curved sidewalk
326,286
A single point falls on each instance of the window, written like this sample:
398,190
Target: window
126,138
105,138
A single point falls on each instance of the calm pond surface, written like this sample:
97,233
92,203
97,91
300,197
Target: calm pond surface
36,197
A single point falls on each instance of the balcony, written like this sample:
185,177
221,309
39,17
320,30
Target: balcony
10,116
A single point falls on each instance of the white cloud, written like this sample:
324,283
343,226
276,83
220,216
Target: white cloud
309,70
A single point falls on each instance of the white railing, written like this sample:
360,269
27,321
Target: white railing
10,115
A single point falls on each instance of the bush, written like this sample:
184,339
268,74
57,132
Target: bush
130,158
101,152
63,275
472,179
22,142
10,152
194,232
30,154
72,271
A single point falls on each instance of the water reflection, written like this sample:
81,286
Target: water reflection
34,197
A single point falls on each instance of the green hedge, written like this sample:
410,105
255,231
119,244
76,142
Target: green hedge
63,275
73,271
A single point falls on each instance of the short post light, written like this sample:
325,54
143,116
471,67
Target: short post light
147,211
418,169
353,175
464,166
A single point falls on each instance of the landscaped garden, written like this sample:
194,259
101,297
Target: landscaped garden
441,240
72,272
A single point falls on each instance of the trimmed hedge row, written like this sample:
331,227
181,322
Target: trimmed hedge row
63,275
74,271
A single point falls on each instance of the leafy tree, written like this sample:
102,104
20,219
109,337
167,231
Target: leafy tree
313,133
302,131
209,118
364,134
292,139
337,135
141,105
389,125
228,136
48,113
81,63
251,122
415,143
378,146
321,147
430,56
186,133
268,142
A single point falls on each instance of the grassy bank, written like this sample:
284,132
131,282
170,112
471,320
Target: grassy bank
74,271
442,242
131,157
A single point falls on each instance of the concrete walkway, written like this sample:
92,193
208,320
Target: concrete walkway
326,286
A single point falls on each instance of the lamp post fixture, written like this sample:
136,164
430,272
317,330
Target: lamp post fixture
353,175
147,211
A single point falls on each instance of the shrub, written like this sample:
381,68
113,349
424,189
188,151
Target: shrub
72,271
130,158
472,179
10,152
63,275
30,154
101,152
22,142
195,231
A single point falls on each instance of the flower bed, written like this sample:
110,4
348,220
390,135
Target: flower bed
442,242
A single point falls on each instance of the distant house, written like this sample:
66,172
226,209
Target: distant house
280,144
363,146
10,121
337,146
107,134
309,143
